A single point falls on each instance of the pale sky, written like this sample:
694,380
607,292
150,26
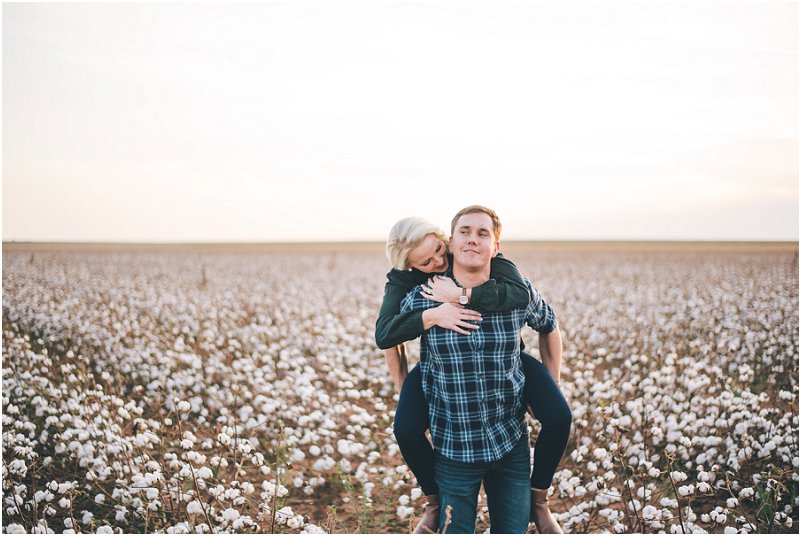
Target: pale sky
301,121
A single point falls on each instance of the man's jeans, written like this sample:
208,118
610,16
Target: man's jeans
506,483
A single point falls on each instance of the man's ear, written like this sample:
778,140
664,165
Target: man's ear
497,248
450,245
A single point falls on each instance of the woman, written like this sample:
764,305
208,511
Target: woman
418,249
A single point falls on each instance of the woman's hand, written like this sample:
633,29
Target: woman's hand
451,316
441,289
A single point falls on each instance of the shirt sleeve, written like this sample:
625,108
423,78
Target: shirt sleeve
414,301
506,290
539,315
392,326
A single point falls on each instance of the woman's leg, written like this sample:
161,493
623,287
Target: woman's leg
551,409
411,422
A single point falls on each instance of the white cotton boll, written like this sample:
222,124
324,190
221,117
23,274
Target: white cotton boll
649,512
729,530
194,507
312,529
87,518
416,493
403,500
704,487
404,511
100,498
151,493
14,528
230,514
104,529
315,451
297,482
746,493
64,502
204,473
678,476
120,515
184,406
731,502
295,522
653,472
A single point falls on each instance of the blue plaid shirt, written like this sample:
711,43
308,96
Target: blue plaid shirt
474,383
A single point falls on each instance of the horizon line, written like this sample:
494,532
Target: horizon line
335,242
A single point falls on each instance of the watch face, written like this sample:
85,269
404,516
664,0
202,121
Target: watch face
463,300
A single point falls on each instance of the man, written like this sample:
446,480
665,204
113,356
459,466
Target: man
474,385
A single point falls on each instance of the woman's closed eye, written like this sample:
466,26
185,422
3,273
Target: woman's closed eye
428,261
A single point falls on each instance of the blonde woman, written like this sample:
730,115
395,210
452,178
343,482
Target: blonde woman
417,250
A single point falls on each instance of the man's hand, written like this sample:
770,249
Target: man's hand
441,289
451,316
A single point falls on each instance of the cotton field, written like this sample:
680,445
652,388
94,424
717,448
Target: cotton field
189,391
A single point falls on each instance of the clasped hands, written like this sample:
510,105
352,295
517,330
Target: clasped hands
451,314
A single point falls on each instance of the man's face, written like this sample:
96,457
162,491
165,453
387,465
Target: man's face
473,243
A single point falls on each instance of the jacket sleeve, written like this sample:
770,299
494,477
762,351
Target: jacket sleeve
393,327
505,289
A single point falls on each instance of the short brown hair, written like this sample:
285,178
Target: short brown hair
496,221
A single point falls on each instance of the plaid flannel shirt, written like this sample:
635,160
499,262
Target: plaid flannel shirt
474,383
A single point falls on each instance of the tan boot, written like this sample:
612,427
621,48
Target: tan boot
540,513
429,524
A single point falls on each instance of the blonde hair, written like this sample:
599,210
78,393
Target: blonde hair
406,235
496,221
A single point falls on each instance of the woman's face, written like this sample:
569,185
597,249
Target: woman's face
430,256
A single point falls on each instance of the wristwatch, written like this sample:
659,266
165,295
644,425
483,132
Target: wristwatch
464,299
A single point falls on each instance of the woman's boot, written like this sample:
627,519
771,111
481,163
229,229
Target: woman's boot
540,513
430,522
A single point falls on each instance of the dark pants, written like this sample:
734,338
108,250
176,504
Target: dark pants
505,481
541,393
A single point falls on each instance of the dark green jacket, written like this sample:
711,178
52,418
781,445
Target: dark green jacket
504,291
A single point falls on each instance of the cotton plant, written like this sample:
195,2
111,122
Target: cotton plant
224,392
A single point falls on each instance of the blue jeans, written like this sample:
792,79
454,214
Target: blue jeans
506,483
